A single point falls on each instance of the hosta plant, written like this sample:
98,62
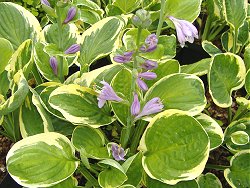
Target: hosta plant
141,119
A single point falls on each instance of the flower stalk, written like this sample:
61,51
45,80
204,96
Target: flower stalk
161,20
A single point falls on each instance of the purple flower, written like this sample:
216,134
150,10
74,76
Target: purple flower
54,65
71,14
142,85
73,49
124,58
147,75
149,65
150,43
185,30
135,107
107,94
151,107
117,152
45,2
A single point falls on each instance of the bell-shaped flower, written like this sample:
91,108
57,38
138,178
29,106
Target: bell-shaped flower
107,94
150,43
151,107
142,85
117,152
149,65
54,65
71,14
135,107
147,75
45,2
185,30
124,58
73,49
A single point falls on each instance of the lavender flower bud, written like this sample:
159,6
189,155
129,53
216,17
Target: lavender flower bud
73,49
124,58
71,14
149,65
147,75
54,65
107,94
45,2
117,152
150,43
142,85
135,107
151,107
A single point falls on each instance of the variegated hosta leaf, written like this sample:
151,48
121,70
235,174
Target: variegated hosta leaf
6,52
178,143
215,9
90,142
18,24
18,97
78,105
113,176
127,6
247,56
226,74
209,180
236,12
179,91
240,138
242,125
122,84
199,68
70,182
210,48
247,82
98,41
238,174
183,9
69,35
213,129
41,160
4,83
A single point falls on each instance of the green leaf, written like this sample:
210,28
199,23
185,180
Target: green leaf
181,147
152,183
98,41
90,142
79,106
122,84
210,48
127,6
236,12
4,83
236,126
113,176
133,169
240,138
69,35
164,69
89,16
183,9
226,74
247,82
70,182
6,52
199,68
37,160
243,34
209,180
213,130
18,24
179,91
247,57
227,40
238,174
43,64
16,100
215,9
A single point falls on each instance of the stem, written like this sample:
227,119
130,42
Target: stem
216,167
126,131
235,40
37,76
88,176
59,23
161,20
229,114
207,28
216,32
139,130
247,96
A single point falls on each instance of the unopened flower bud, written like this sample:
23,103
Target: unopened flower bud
71,14
45,2
53,64
73,49
141,19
